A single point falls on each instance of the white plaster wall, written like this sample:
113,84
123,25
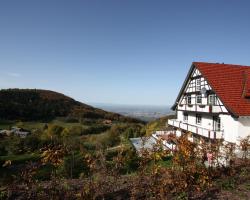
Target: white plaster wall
180,115
178,133
193,99
204,100
244,127
206,122
230,127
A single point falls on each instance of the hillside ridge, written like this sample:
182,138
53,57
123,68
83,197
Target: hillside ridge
39,104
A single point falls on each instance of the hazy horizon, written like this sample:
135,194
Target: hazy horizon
124,104
144,112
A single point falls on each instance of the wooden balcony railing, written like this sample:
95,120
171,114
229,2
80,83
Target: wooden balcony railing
212,134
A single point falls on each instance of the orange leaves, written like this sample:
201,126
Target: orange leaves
53,155
245,147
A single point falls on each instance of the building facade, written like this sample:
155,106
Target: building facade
214,103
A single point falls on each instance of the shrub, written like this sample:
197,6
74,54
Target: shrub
73,165
55,130
75,131
32,142
3,150
88,146
44,172
95,129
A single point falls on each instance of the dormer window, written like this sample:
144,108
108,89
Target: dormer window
198,84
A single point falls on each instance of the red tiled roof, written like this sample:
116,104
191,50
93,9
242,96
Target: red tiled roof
247,84
231,83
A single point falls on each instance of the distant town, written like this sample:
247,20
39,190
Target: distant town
143,112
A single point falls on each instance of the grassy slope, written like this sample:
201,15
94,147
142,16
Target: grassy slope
159,124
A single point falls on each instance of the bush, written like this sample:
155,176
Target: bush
75,131
14,145
131,161
110,154
88,146
73,165
95,129
3,150
71,120
32,142
133,131
44,172
55,130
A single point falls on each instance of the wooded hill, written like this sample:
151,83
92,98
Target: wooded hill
35,104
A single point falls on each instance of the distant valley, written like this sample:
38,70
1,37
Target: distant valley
142,112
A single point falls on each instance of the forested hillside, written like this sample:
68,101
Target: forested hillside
33,104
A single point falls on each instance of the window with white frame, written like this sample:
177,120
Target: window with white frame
198,99
216,123
185,117
198,119
189,101
198,84
212,99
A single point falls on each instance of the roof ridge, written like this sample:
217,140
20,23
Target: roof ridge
231,65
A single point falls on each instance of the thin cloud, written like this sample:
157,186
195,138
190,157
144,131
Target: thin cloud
14,74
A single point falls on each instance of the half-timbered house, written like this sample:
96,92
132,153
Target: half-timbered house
214,102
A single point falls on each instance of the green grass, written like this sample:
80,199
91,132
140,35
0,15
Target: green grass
166,163
6,124
38,125
67,124
8,174
19,159
25,125
94,138
30,125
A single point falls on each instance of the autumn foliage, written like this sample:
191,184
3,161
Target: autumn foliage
188,176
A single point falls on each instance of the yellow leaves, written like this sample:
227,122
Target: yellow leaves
157,156
89,161
53,155
7,163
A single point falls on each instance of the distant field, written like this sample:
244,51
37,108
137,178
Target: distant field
142,112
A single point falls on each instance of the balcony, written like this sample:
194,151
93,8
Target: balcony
201,108
164,137
195,129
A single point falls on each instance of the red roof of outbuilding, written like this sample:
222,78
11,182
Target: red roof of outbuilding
231,84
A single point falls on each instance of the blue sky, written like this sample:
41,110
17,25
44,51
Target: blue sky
119,51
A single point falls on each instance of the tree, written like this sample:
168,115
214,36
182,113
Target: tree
54,130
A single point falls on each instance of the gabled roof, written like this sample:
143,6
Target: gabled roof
231,83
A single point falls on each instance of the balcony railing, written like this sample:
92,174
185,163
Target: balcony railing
212,134
157,135
200,108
